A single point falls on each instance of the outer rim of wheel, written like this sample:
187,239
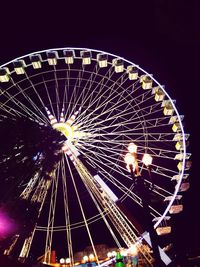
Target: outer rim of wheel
145,72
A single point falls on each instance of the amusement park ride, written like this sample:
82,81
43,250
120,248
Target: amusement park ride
103,106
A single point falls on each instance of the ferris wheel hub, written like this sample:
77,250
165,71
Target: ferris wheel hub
65,129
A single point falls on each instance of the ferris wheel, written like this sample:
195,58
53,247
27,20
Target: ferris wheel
99,103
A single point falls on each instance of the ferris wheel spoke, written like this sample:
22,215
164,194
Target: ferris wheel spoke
121,100
74,96
167,173
153,147
102,155
34,88
30,101
66,90
126,121
81,208
117,183
86,92
23,108
48,96
57,92
95,93
113,147
66,211
51,215
100,96
127,192
8,110
108,159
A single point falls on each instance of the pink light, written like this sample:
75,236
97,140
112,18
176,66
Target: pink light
7,225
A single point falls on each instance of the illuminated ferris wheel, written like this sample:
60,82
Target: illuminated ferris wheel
100,103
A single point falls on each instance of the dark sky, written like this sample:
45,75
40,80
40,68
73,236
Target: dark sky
161,36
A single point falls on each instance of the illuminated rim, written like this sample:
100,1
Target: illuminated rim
179,119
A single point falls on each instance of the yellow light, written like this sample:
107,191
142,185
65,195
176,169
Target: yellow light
102,60
4,77
180,165
123,252
52,61
118,65
147,82
69,56
159,94
132,72
147,159
163,230
68,260
52,57
133,250
62,260
19,70
91,257
109,254
129,159
36,61
85,258
176,209
114,253
179,145
132,148
168,110
175,127
19,67
66,129
37,65
86,57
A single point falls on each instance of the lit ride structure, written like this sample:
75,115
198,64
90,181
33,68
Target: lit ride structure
100,103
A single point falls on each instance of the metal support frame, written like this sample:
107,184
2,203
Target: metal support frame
119,220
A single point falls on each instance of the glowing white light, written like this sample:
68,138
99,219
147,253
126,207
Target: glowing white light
62,260
114,253
109,254
132,148
85,258
91,257
133,250
147,159
129,159
68,260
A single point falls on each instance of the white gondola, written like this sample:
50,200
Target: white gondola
181,156
168,108
178,177
102,60
184,187
176,127
163,228
187,166
177,206
147,82
69,56
175,118
52,57
159,94
4,75
86,57
179,145
118,65
36,61
132,72
19,67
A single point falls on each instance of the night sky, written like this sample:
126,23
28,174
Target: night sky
161,36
